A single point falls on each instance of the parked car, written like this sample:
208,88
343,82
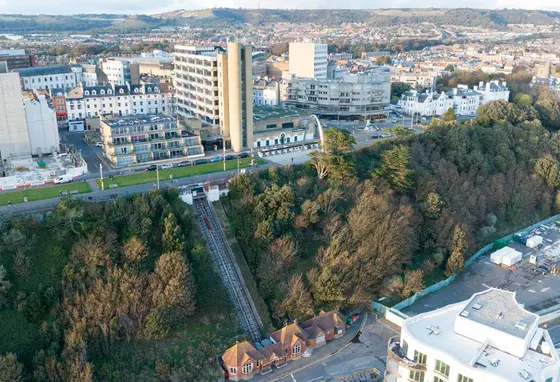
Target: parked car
166,166
394,120
64,179
98,144
374,136
151,167
243,155
216,159
184,163
230,157
200,161
386,135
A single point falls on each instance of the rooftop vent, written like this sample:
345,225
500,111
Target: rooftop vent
495,362
465,313
477,306
500,315
521,325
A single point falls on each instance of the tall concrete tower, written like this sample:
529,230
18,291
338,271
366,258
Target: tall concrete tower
14,136
236,95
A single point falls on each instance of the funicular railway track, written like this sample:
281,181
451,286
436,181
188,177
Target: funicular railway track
223,257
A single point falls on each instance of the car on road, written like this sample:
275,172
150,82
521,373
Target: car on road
230,157
374,136
243,155
166,166
184,163
200,161
216,159
386,135
151,167
394,120
98,144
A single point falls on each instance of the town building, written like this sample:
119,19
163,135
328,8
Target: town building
266,92
277,127
425,104
353,96
418,81
135,139
245,360
465,101
374,55
492,91
58,97
236,95
47,77
308,60
120,72
543,70
41,122
17,58
489,337
341,57
196,83
552,84
14,136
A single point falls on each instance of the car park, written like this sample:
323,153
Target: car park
200,161
151,167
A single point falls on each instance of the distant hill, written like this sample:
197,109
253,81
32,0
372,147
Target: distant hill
219,17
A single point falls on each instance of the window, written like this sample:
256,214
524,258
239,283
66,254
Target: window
419,357
248,368
462,378
232,370
438,379
442,368
417,376
404,346
297,348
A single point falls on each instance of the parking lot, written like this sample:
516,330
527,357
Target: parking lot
533,289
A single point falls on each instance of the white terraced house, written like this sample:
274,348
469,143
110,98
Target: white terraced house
488,338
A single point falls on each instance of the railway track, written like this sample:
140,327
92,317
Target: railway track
230,274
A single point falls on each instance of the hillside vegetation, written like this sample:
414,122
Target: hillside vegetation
219,17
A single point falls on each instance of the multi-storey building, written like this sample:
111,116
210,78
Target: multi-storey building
58,97
41,124
550,83
488,338
144,138
47,77
266,93
14,136
426,104
418,81
308,60
465,100
363,95
17,58
196,83
492,91
235,93
121,72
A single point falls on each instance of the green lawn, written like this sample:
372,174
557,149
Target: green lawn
177,172
40,193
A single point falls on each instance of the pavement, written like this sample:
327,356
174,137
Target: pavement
363,348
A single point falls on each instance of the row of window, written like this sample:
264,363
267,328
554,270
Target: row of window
441,367
418,376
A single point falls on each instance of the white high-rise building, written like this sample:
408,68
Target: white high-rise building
488,338
41,124
121,72
14,137
308,60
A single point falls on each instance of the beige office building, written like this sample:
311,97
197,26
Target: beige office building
236,95
14,136
308,60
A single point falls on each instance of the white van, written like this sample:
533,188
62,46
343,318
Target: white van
64,179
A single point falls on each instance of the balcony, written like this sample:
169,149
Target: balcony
397,355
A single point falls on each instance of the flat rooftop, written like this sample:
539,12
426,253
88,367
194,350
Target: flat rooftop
499,311
261,113
117,121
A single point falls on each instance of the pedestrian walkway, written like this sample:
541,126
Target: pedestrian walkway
93,185
318,355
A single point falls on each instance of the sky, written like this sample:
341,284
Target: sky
149,6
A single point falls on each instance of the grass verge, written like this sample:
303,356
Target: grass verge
41,193
177,172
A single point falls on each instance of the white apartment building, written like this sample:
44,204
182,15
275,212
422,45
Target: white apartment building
425,104
41,124
14,137
196,83
465,100
488,338
355,95
266,93
89,75
47,77
308,60
492,91
120,72
417,80
94,101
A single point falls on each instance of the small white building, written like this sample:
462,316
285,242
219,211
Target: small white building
266,93
121,72
488,338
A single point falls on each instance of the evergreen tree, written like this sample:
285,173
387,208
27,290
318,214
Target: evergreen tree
449,115
459,244
4,286
394,167
10,368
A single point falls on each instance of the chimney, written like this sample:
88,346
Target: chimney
455,91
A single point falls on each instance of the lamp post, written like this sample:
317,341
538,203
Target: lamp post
157,176
101,170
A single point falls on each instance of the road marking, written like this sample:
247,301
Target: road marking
314,379
532,291
545,289
363,363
